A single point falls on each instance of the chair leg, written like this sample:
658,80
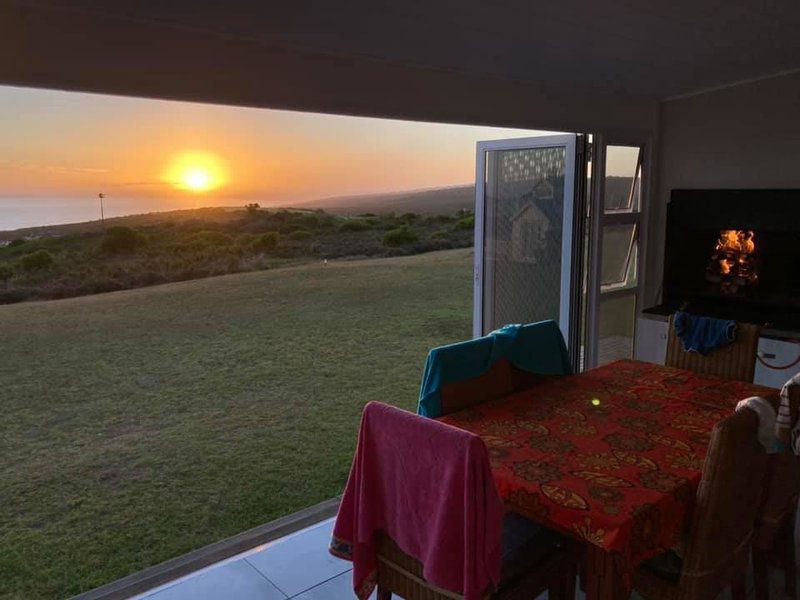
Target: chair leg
789,559
563,589
384,594
739,588
760,574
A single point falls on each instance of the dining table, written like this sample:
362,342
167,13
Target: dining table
612,457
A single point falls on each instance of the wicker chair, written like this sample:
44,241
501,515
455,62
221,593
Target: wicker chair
535,560
719,541
774,541
502,379
736,360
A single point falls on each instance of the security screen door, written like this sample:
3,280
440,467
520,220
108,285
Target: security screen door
529,217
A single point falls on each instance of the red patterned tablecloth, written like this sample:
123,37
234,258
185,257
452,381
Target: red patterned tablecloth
612,456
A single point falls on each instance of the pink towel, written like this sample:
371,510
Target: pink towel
429,486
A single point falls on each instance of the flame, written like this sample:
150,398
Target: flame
737,240
734,263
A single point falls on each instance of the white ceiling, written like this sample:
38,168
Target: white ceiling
652,49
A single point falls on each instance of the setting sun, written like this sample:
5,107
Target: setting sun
196,172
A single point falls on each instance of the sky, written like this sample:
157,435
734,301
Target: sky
59,150
67,144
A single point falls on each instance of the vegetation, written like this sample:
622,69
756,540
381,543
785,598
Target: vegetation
400,237
36,261
189,412
140,251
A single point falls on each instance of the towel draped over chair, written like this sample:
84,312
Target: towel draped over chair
429,486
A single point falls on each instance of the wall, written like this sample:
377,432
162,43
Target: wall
746,136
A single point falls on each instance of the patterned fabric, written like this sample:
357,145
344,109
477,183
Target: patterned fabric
612,456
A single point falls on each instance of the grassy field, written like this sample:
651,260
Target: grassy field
142,424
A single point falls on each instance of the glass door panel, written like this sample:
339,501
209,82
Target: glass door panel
619,257
524,232
617,318
616,216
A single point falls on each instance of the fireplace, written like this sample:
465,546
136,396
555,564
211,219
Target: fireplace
734,254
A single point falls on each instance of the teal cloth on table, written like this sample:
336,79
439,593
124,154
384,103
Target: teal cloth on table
537,348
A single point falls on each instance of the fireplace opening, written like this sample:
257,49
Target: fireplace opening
734,254
734,263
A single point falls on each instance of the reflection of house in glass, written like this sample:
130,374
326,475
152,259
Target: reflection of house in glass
532,223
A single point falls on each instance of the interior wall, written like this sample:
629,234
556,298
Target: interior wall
746,136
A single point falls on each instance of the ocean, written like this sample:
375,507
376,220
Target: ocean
16,213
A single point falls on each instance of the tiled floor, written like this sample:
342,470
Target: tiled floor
297,566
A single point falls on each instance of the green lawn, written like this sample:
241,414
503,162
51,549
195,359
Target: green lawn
140,425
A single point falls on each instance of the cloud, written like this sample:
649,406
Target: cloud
57,169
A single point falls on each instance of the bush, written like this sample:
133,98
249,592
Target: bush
266,241
210,238
467,222
355,225
400,236
16,242
6,272
119,240
300,234
37,261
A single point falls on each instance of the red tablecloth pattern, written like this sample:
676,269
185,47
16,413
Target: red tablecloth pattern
612,456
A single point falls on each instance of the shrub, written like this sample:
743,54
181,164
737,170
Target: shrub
6,272
119,239
467,222
300,234
355,225
253,208
210,238
266,241
37,261
16,242
409,217
400,236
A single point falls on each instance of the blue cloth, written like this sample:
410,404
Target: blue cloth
537,348
703,334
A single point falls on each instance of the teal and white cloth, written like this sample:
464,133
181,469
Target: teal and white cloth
537,348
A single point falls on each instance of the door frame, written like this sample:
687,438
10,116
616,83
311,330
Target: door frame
570,142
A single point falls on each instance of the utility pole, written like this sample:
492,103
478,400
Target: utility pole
102,215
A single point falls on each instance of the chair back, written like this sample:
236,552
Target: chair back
781,485
736,360
728,498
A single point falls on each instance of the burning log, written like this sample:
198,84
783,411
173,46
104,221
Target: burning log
734,263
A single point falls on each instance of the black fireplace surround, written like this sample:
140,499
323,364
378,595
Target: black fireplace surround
695,219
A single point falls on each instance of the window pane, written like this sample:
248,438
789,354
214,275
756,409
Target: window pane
619,257
617,316
623,179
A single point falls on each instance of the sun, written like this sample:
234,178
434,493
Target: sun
196,172
197,179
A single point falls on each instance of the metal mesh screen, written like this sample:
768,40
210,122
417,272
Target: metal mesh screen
524,217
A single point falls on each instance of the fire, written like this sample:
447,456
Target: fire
737,240
733,264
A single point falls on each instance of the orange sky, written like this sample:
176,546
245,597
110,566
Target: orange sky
66,144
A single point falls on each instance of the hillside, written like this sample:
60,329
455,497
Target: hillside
432,201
